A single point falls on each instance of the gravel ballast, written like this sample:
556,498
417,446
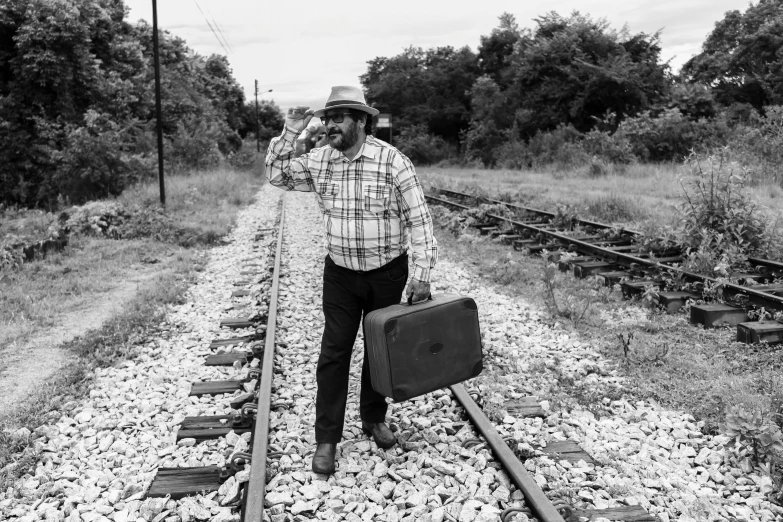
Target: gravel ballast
102,454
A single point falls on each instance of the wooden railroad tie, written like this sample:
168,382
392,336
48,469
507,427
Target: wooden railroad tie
566,450
632,288
184,482
228,359
770,332
673,301
208,427
614,277
240,293
233,341
590,268
525,407
237,322
624,514
717,314
198,389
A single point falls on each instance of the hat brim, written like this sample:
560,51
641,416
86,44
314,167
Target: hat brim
355,106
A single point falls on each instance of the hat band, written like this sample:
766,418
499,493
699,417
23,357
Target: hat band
345,102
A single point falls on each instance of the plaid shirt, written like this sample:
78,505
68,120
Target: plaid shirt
371,205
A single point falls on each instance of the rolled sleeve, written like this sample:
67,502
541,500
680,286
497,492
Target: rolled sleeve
416,216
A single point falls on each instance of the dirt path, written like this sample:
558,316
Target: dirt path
24,368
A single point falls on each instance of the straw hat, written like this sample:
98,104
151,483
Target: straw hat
346,97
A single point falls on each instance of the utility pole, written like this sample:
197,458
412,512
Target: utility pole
157,101
258,128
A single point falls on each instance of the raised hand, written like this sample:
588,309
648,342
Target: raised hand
298,117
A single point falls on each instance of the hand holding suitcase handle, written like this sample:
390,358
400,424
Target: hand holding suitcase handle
411,303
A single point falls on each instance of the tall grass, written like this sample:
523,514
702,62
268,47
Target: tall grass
204,201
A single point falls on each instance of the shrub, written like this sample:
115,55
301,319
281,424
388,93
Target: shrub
423,148
560,148
611,148
195,145
94,163
247,157
513,154
721,224
760,146
762,437
670,136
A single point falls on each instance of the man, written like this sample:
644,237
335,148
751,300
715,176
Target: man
372,204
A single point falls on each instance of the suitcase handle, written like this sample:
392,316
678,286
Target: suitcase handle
410,299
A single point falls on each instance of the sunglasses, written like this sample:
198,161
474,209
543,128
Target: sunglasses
337,117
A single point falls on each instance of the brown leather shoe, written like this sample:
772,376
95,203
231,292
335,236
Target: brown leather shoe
323,460
381,434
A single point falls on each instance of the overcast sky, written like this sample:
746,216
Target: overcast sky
301,48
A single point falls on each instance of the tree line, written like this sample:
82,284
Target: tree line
77,119
572,87
77,98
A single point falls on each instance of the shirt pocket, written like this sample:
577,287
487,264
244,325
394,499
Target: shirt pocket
377,198
329,194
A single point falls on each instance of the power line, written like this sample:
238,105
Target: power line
221,34
210,27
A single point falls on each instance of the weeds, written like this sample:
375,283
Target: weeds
721,224
558,300
758,434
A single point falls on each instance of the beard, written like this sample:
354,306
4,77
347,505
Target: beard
343,141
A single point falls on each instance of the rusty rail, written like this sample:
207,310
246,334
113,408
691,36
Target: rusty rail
255,489
756,297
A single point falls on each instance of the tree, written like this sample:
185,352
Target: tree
742,58
575,70
77,101
270,120
496,50
429,87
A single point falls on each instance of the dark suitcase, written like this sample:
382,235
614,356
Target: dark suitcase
415,349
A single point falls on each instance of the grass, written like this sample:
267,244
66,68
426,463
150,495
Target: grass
100,347
205,202
34,296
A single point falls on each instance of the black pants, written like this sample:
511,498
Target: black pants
347,297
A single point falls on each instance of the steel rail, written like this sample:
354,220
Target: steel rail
775,265
754,296
255,489
547,213
534,496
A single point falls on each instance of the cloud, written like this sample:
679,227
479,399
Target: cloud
302,48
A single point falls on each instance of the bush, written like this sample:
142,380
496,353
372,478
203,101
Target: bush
247,158
721,224
560,148
608,147
481,141
195,145
760,146
670,136
94,163
423,148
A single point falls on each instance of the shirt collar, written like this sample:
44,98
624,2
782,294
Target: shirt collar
368,150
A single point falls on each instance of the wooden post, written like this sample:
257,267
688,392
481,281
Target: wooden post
157,101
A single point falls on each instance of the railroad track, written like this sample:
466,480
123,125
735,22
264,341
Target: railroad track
260,479
222,427
611,253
